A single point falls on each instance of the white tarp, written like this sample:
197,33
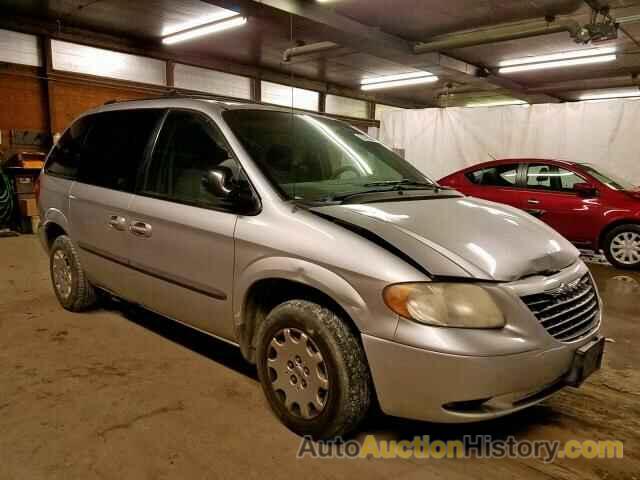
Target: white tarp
441,141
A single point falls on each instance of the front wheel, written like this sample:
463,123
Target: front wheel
313,370
622,247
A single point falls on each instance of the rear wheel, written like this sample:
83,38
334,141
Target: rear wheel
622,247
313,370
70,283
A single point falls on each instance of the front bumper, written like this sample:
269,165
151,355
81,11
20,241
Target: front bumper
443,387
463,375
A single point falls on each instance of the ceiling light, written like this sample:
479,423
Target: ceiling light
611,93
400,83
590,52
205,30
198,22
393,78
496,103
629,19
559,63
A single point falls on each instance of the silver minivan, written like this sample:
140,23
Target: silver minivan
341,271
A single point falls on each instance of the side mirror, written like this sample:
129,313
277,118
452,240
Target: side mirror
217,181
585,190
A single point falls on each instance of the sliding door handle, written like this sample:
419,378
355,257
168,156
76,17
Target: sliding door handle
140,229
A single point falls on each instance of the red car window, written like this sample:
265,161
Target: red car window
551,177
499,176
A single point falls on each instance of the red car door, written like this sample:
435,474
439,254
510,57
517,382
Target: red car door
498,183
548,194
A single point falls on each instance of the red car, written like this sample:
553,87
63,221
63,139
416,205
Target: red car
591,208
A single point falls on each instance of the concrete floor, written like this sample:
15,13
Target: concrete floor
124,394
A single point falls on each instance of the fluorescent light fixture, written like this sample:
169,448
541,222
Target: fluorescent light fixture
612,93
629,19
496,103
198,22
393,78
590,52
400,83
205,30
560,63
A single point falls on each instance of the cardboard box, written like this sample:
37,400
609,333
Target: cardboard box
33,164
25,196
29,207
25,183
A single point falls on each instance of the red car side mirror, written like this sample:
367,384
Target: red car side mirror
585,190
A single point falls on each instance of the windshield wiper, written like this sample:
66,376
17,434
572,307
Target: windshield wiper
394,188
390,186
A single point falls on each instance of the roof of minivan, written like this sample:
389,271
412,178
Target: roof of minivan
188,102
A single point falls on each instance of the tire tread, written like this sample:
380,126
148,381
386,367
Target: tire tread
83,294
357,397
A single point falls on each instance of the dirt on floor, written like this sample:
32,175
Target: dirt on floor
121,393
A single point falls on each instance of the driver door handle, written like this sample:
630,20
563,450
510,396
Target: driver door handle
140,229
117,222
531,201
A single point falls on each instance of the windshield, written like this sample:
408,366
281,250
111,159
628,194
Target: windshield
609,180
316,159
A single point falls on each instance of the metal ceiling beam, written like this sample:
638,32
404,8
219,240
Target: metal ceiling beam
593,83
501,33
349,33
137,46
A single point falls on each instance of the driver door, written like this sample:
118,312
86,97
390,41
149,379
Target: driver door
182,235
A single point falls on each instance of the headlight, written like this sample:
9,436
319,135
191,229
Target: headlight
461,305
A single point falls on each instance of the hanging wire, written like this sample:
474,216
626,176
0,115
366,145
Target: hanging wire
292,118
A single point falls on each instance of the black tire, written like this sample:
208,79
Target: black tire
82,295
349,391
608,241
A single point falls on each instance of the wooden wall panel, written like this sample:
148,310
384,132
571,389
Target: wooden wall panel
22,103
70,99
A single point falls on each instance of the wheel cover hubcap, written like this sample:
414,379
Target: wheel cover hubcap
298,373
62,273
625,248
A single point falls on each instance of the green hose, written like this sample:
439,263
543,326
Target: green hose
6,200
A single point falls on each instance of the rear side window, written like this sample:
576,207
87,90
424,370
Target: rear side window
551,177
65,155
498,176
115,146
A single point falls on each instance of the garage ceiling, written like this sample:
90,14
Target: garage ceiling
376,36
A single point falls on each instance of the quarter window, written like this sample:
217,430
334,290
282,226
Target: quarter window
498,176
65,155
551,177
114,147
188,147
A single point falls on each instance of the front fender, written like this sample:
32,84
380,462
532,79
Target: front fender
306,273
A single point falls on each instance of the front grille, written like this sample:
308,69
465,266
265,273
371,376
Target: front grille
569,312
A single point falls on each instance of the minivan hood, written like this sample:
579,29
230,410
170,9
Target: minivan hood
477,238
